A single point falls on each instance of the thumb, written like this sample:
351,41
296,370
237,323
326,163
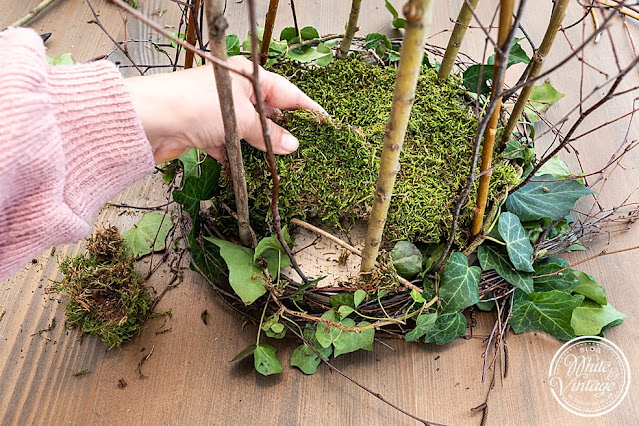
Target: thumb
282,141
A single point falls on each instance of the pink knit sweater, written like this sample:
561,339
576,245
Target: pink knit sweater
69,140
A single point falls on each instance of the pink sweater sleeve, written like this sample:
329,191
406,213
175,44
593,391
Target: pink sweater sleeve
69,140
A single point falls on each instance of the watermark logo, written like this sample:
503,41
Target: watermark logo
589,376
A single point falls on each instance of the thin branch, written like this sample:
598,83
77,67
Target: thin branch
32,13
217,25
179,41
351,29
268,30
456,38
191,35
259,101
96,20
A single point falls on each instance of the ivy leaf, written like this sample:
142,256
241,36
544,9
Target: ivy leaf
309,33
342,299
245,352
62,59
486,306
359,297
245,277
325,333
549,311
541,98
563,281
407,259
424,323
460,284
447,328
351,341
430,255
517,55
378,42
304,54
537,200
518,245
588,287
491,257
265,360
554,167
288,34
472,75
180,36
397,21
148,235
590,318
270,249
200,188
191,164
305,359
328,55
232,45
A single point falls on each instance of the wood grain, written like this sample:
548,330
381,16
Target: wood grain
189,379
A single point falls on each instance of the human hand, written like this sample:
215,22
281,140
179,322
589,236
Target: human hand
181,110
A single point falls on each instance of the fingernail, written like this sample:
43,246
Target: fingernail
289,142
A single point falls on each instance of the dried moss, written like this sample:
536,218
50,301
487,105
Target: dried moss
332,175
105,296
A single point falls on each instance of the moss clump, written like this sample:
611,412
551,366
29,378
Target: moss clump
333,173
105,296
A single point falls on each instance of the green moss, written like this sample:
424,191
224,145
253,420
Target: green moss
333,173
105,296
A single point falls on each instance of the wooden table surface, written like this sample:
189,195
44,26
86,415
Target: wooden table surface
189,379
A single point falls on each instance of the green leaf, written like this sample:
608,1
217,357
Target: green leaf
549,311
232,45
407,259
342,299
180,36
486,306
447,328
309,33
62,59
563,281
417,297
397,21
191,164
554,167
496,258
245,352
148,235
328,55
590,318
460,284
472,75
245,277
518,245
200,188
541,98
359,297
288,34
305,359
304,54
270,249
423,325
266,362
378,42
588,287
345,311
517,55
537,200
351,341
430,255
325,333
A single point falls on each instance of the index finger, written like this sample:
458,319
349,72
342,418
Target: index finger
281,93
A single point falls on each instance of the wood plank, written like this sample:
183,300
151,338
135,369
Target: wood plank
189,379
